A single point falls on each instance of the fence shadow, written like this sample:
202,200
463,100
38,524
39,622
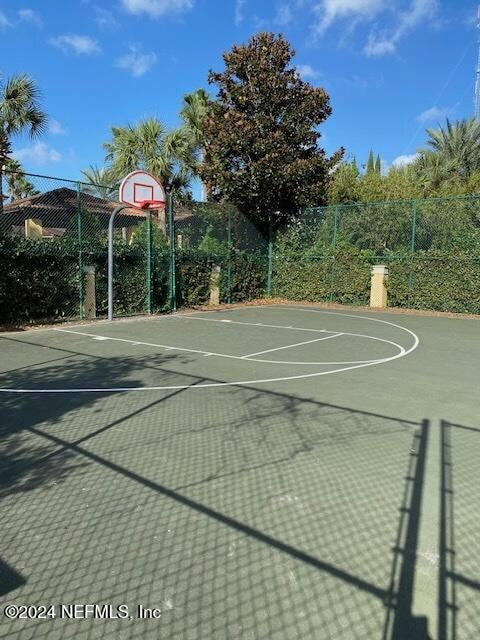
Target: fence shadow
459,542
238,511
10,579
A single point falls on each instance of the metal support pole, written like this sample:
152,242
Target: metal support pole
80,252
117,209
149,262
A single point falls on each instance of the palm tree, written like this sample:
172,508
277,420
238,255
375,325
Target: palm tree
457,145
432,170
168,155
194,110
99,183
19,112
18,185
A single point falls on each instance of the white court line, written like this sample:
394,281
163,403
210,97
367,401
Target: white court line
289,346
344,333
254,324
169,347
194,386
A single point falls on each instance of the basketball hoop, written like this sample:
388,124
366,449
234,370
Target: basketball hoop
141,190
151,204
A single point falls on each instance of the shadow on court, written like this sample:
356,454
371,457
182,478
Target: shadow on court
459,586
240,512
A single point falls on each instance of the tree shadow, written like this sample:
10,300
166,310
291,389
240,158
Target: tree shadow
459,586
244,512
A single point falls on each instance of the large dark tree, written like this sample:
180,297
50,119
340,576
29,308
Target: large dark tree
261,133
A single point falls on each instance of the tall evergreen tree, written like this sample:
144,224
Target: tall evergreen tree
370,163
261,133
378,165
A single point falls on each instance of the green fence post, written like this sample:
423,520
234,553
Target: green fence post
80,248
229,259
149,262
171,230
270,255
412,250
334,244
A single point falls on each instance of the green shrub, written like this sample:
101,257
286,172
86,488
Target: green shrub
341,275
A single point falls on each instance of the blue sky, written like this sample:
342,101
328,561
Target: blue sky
391,68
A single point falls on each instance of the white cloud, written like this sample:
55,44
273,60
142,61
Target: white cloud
78,44
379,46
283,15
31,16
4,21
434,113
239,12
104,18
39,154
380,41
328,11
385,42
403,161
157,8
55,128
136,62
306,71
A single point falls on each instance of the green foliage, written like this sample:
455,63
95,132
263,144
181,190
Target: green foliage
378,165
370,164
158,237
212,245
148,145
261,133
37,280
92,230
436,280
20,111
344,185
341,274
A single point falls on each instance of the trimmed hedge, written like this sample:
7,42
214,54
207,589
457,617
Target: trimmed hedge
436,280
340,275
430,280
42,280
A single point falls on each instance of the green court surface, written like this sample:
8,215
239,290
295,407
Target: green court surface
269,472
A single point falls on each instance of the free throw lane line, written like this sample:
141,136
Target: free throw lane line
169,347
290,346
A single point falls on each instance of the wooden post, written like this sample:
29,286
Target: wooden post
215,285
378,288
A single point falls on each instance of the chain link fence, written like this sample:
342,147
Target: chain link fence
431,247
53,253
54,246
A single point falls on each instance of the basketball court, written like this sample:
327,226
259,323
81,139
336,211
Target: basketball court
277,471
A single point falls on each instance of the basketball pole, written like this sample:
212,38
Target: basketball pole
117,209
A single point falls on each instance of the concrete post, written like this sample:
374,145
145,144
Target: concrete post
215,285
378,287
33,228
89,304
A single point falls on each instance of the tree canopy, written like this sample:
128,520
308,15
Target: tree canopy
148,145
262,132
